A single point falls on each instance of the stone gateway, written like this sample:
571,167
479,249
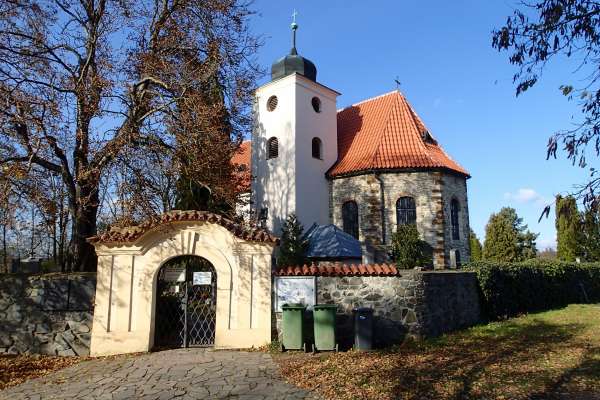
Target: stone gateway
129,261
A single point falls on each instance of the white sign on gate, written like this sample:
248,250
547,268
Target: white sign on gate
202,278
174,274
295,289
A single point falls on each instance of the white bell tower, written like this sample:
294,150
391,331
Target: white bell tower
294,143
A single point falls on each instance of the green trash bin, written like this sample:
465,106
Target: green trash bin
293,327
324,325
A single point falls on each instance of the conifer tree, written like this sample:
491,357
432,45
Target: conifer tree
569,235
476,248
507,238
591,235
293,245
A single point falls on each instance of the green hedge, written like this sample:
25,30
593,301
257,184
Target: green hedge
509,289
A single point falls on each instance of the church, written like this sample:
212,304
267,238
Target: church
365,168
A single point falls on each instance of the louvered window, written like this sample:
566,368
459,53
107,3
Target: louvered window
316,148
272,148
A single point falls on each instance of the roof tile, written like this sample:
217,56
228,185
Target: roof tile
386,133
338,270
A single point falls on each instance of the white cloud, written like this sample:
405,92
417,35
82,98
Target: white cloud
527,195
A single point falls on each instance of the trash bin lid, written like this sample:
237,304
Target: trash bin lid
293,306
325,306
362,310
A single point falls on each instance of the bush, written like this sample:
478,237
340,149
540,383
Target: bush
509,289
408,250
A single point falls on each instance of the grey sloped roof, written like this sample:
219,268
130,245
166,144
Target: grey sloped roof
329,241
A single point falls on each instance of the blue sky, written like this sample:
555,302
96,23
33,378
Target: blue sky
461,88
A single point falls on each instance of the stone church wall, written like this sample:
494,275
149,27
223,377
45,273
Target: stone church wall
432,192
455,187
46,314
415,304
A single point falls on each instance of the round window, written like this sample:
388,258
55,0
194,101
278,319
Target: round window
272,103
316,104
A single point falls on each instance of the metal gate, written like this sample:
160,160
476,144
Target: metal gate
186,300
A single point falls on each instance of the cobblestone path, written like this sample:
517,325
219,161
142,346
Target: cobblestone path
174,374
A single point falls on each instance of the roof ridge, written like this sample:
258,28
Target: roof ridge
385,124
414,119
370,99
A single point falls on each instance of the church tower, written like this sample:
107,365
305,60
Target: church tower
294,143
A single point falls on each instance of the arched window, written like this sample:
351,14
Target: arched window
454,210
317,147
272,148
406,211
350,218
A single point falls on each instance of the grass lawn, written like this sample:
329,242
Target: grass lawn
554,354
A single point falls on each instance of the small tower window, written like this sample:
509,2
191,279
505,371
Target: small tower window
272,103
317,148
316,104
350,218
406,211
272,148
454,210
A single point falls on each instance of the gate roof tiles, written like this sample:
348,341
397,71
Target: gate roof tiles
132,233
339,270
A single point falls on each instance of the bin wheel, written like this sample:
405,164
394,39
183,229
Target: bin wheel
314,349
336,347
304,347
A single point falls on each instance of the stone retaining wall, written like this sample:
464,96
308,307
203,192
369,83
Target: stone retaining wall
414,304
46,314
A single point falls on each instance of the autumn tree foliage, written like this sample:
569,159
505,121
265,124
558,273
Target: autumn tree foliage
541,31
117,100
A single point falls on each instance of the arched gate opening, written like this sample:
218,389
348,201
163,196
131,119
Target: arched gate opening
186,303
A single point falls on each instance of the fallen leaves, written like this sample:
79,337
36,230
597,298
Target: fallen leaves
534,356
15,369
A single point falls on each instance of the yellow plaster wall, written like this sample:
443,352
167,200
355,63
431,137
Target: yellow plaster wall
126,288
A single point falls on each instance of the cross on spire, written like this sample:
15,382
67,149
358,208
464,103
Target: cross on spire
294,28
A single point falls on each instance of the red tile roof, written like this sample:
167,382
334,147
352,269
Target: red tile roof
132,233
241,159
339,270
386,133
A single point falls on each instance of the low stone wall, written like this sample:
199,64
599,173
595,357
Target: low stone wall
46,314
415,303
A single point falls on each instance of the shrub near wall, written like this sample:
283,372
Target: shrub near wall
509,289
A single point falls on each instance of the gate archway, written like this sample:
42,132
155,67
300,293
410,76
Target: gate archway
186,303
128,290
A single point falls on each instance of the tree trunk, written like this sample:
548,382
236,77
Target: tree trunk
4,255
83,222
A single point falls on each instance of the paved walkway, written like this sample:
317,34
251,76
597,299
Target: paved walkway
174,374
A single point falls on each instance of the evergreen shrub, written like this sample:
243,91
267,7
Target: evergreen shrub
509,289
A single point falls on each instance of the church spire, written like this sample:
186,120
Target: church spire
293,63
294,27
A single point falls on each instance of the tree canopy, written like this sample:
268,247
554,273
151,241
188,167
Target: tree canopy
541,31
293,244
115,101
507,239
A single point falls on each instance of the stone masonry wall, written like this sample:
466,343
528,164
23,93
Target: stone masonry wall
414,304
455,187
46,314
432,192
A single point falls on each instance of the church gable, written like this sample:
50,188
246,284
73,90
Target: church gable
385,133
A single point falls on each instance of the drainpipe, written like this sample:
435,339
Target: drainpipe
382,206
